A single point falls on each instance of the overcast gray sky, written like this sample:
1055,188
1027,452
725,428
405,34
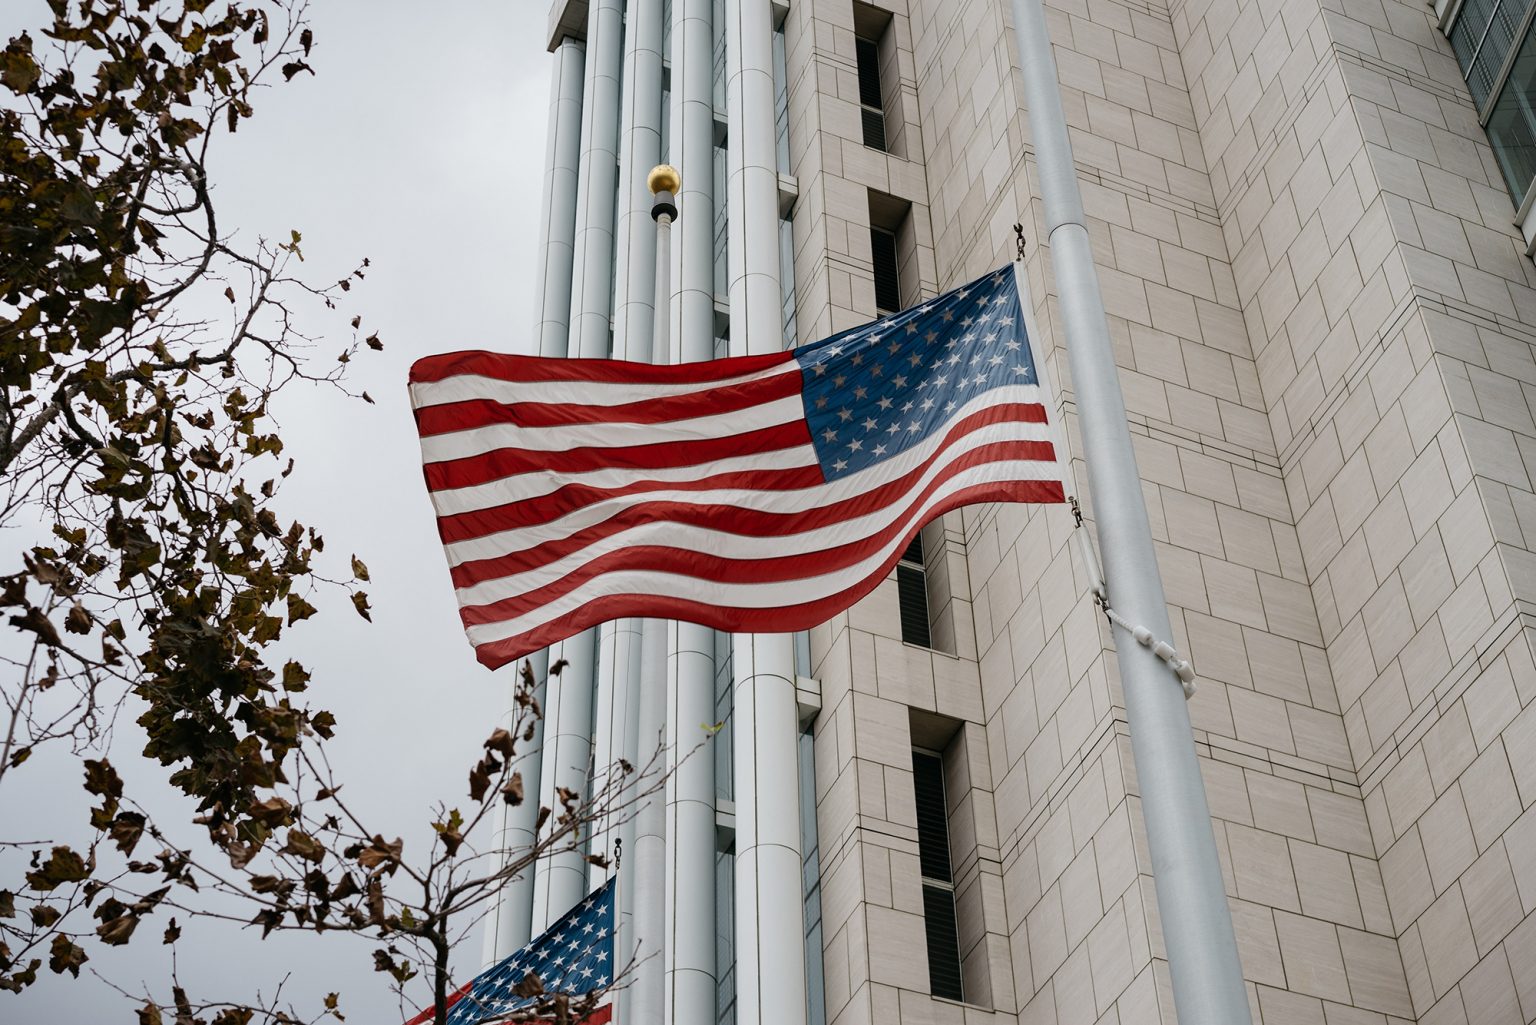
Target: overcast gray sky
420,145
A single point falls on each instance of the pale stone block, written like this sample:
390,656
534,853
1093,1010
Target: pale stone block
1416,968
1405,874
1339,822
1274,665
1491,799
1373,895
1282,1007
1235,591
1046,930
1109,955
1519,739
1320,736
1326,884
1115,854
1388,621
1426,576
1488,992
1491,703
1260,719
1447,835
1375,969
1314,963
1448,747
1520,949
1080,900
1447,937
1493,901
881,731
897,951
1261,867
1279,805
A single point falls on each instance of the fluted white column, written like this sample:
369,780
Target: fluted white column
558,229
510,922
770,928
568,753
634,309
620,674
690,816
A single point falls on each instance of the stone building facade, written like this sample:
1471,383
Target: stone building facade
1325,321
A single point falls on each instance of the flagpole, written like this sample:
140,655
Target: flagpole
646,1000
1192,903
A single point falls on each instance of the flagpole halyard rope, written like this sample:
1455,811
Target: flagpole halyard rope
1170,656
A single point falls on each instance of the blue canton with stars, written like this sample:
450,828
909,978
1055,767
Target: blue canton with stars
878,390
575,955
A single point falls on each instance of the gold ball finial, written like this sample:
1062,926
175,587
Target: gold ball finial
663,178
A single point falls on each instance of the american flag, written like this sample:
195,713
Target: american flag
574,956
757,494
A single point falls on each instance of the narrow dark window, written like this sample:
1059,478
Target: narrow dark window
871,103
912,592
938,883
882,245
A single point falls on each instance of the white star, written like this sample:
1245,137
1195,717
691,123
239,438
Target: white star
995,359
846,416
879,450
911,328
899,381
893,429
1005,321
913,426
840,465
829,434
870,425
1011,345
885,403
927,404
949,407
855,445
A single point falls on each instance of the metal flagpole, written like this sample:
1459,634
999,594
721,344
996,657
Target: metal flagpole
1192,903
647,998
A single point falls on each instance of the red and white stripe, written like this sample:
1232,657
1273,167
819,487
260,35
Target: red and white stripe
569,492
